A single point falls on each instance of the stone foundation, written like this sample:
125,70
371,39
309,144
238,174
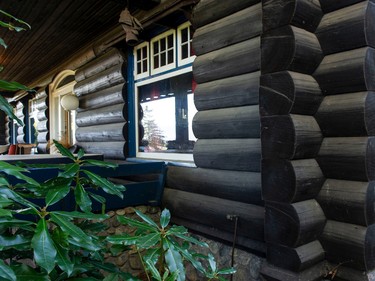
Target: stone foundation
248,265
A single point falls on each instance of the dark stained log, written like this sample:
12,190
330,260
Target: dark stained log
254,246
201,17
105,97
43,126
348,201
348,158
111,58
42,115
43,137
288,92
290,181
290,136
216,212
232,29
106,132
43,148
290,48
105,79
110,150
231,185
228,92
273,273
347,115
351,244
293,225
230,61
295,259
103,115
228,154
305,14
347,72
356,20
233,122
332,5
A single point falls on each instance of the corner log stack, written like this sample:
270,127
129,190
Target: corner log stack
291,139
42,107
101,117
226,182
346,117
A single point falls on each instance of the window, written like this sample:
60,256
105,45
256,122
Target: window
163,52
164,97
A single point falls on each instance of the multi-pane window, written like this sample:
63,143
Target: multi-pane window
163,52
141,63
185,54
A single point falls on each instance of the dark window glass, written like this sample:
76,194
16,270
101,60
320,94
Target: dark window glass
184,35
156,62
163,59
156,47
170,41
139,69
144,52
144,63
170,56
162,44
184,51
139,54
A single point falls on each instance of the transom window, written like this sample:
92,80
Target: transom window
163,52
141,64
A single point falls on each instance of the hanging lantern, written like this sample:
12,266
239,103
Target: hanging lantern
69,102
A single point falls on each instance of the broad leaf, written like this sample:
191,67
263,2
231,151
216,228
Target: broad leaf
146,218
105,184
6,272
63,261
18,242
16,171
3,181
152,255
82,198
55,195
165,218
100,163
75,232
7,108
192,240
26,273
227,271
80,153
174,262
212,262
70,170
123,239
64,151
81,215
12,86
149,240
5,202
44,249
153,270
137,224
5,213
10,194
15,19
112,277
2,43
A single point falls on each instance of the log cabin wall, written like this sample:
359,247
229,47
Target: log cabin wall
100,120
4,128
346,117
21,109
222,195
42,107
291,138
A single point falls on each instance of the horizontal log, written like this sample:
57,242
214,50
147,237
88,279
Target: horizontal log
290,181
42,115
347,72
103,115
356,20
290,48
21,138
41,93
332,5
251,245
348,158
305,14
232,29
228,92
200,16
273,273
348,201
111,58
290,136
105,97
43,137
350,244
234,122
228,154
106,132
42,103
231,185
350,114
43,126
43,148
295,259
293,225
216,212
21,130
287,92
109,150
230,61
105,79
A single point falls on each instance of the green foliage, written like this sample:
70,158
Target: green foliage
163,249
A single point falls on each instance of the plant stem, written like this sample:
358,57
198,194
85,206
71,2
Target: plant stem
143,264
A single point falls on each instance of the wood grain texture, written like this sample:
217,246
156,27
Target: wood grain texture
99,133
287,92
332,5
110,150
103,115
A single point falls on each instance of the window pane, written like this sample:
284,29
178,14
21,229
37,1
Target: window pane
162,44
156,62
170,56
138,54
156,47
162,59
168,110
144,52
184,51
139,69
144,65
170,41
184,35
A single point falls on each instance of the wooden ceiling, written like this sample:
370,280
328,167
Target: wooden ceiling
59,28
